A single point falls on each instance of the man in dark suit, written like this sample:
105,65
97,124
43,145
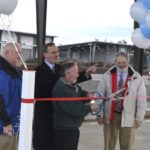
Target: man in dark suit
46,76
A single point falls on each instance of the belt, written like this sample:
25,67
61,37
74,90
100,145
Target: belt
118,112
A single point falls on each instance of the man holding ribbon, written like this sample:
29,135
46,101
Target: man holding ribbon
69,115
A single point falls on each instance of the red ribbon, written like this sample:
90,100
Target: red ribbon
30,100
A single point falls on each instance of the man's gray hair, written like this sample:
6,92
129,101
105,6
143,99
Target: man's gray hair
123,54
66,66
9,47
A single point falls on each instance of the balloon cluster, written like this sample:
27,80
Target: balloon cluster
140,12
7,6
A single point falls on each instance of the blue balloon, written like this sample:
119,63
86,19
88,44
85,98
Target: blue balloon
144,29
146,3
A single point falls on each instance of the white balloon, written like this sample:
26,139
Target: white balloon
139,40
7,6
137,11
147,19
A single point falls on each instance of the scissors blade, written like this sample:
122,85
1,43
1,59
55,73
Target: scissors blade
117,92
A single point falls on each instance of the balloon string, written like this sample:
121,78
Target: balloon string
24,64
7,29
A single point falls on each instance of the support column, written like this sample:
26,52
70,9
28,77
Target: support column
94,51
41,10
138,56
90,54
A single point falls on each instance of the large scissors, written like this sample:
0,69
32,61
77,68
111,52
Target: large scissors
102,100
114,95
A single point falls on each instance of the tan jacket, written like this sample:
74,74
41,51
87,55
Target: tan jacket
134,105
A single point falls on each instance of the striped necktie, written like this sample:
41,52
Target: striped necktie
121,82
53,69
120,86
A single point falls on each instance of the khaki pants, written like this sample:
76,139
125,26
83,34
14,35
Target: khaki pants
8,142
112,131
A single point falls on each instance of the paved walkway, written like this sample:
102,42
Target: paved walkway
91,137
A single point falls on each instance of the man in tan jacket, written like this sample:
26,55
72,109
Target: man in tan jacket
122,116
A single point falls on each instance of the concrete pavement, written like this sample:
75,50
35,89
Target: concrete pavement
91,137
92,134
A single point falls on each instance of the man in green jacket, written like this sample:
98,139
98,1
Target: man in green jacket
69,115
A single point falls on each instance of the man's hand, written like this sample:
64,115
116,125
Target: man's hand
100,120
91,94
8,130
137,123
94,107
91,69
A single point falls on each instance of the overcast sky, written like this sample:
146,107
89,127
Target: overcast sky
76,21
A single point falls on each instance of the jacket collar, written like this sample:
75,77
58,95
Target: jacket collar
8,68
131,71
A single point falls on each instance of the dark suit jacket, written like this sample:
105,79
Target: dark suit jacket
43,133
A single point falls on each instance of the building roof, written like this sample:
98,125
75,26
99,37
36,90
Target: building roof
31,34
98,43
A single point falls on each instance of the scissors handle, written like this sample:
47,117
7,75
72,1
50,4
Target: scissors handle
100,104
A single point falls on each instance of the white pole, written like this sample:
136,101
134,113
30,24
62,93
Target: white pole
26,119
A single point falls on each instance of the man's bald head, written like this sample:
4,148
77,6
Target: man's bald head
10,53
9,47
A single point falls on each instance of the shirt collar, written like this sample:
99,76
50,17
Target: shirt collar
49,64
119,72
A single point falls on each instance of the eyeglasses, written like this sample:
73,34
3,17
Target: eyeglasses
54,52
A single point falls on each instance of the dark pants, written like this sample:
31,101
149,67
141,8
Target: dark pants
43,130
43,136
67,139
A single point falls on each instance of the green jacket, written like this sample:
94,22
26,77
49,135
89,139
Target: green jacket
69,114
